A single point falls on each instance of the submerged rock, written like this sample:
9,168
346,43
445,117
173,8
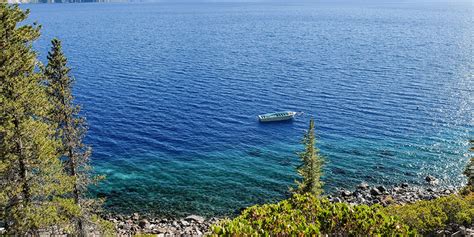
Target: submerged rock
432,180
363,186
195,218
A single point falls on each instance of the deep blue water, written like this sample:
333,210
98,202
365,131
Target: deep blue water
171,92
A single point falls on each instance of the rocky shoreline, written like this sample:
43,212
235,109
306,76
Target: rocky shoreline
194,225
399,194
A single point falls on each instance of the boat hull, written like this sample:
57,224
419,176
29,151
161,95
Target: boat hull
279,116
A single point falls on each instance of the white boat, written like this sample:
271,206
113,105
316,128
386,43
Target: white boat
277,116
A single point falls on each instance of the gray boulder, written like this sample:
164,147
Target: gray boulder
184,223
346,193
195,218
432,180
135,216
144,223
382,189
375,192
363,186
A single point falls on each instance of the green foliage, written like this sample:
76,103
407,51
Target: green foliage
70,130
428,216
306,215
32,184
106,228
311,165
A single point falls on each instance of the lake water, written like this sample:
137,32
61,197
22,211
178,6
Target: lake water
171,92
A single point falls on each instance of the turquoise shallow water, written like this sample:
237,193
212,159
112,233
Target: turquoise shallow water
171,92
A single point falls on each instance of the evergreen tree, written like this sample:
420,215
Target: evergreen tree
310,169
70,130
32,184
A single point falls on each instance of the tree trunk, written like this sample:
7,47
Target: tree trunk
76,193
22,165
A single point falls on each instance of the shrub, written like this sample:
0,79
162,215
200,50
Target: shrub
428,216
105,227
308,215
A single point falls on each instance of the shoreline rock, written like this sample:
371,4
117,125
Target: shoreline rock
399,194
195,225
192,225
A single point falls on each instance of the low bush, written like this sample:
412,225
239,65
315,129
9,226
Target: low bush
429,216
303,215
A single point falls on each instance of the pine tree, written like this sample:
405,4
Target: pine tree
32,181
70,130
310,169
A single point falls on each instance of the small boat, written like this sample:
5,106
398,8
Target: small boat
277,116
